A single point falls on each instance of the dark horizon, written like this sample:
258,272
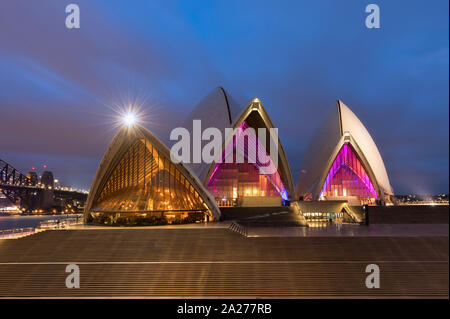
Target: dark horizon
60,87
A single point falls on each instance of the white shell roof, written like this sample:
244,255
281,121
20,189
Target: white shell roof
350,123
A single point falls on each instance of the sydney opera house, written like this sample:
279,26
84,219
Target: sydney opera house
137,183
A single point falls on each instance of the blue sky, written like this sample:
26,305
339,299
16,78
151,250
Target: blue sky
58,86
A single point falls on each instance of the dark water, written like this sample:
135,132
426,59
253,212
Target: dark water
10,222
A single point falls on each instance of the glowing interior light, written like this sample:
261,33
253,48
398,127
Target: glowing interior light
129,119
242,179
234,192
347,177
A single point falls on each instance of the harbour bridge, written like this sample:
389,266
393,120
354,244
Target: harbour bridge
31,196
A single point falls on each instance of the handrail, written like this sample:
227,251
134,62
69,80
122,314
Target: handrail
238,228
14,232
44,225
60,223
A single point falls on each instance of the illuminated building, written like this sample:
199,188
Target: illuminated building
241,183
342,162
47,179
137,184
33,177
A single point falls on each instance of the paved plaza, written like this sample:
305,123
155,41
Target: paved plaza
214,261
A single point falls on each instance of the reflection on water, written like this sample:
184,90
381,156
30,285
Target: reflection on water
17,221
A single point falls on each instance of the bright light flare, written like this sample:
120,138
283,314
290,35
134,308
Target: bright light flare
130,119
129,110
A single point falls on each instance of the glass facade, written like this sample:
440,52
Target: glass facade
230,183
348,178
146,188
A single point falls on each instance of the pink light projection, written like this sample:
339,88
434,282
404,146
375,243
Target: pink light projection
347,177
230,181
